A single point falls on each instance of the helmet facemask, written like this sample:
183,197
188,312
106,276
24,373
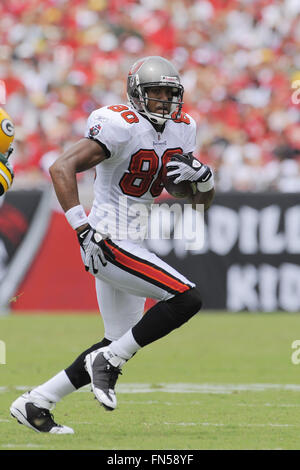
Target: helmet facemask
9,151
155,72
171,108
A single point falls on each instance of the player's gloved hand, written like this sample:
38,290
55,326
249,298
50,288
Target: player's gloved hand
187,168
94,249
6,174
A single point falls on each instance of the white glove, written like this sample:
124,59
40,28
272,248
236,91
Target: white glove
94,249
185,167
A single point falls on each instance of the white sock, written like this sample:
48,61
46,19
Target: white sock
54,389
125,346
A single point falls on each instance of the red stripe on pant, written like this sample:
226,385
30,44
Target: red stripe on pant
147,270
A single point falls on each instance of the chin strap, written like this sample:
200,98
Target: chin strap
8,153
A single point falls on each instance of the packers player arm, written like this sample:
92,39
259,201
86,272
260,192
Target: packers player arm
7,133
83,155
6,174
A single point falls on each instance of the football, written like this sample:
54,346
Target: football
182,190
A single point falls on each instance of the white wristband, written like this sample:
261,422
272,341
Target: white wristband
207,186
76,216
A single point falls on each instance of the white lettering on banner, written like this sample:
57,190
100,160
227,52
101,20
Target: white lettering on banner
254,288
271,241
289,287
292,229
254,230
251,230
241,291
273,230
223,229
267,281
248,225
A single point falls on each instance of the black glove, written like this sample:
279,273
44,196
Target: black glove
94,249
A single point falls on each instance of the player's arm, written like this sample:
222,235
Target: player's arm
206,198
83,155
7,134
6,174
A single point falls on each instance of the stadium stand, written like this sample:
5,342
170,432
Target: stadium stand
240,63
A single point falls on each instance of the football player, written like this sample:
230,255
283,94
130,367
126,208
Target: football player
128,146
7,133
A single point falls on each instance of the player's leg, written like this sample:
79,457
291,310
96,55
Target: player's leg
147,275
76,372
119,311
33,408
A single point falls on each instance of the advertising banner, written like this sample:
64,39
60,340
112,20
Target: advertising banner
24,217
250,257
245,257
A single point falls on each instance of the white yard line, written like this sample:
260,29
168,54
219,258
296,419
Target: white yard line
201,388
247,425
279,405
204,388
28,445
181,388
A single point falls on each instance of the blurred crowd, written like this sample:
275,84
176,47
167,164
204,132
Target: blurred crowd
239,62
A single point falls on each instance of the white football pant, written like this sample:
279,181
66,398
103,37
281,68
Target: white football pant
123,285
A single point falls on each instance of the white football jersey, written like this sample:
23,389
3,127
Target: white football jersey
129,180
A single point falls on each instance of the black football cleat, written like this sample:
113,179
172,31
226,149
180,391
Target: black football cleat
26,410
104,376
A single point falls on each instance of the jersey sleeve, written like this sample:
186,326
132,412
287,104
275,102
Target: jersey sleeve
108,130
190,135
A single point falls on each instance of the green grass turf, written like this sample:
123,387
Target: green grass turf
213,348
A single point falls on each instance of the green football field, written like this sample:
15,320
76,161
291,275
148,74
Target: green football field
222,381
